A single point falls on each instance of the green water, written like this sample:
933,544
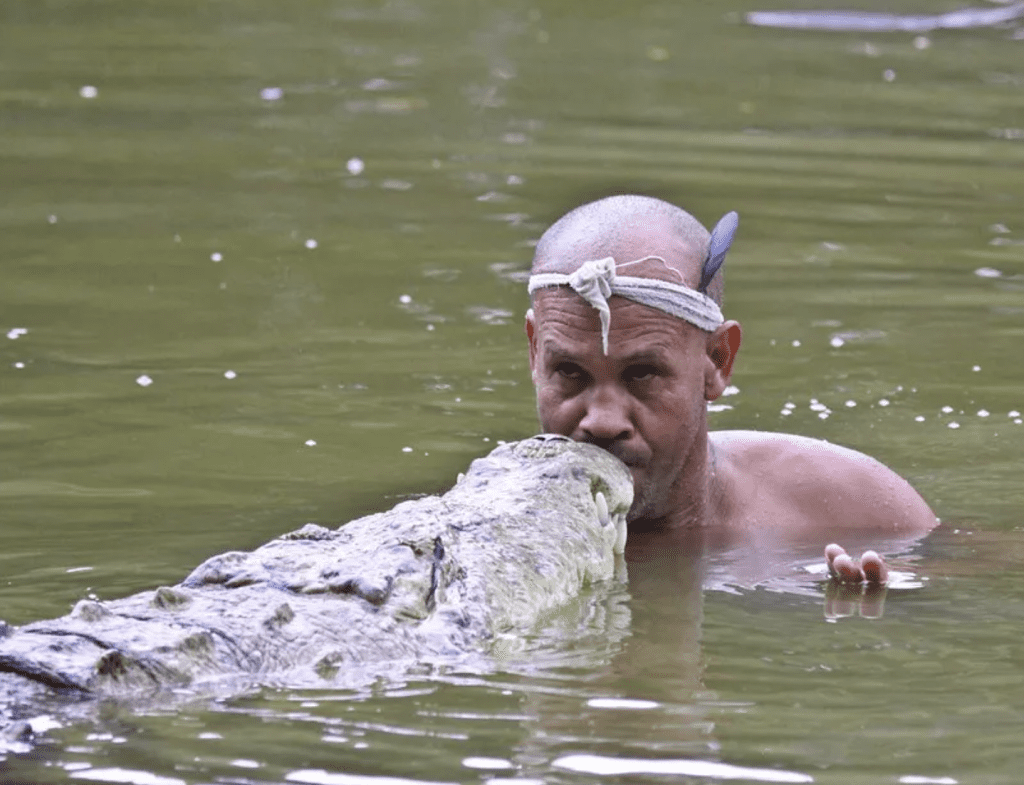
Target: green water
369,226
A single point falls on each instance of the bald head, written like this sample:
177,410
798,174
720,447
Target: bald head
628,228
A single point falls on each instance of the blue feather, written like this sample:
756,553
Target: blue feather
718,247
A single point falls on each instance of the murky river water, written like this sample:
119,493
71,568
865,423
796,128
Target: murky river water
260,265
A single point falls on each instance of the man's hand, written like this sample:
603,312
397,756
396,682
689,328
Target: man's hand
857,585
870,568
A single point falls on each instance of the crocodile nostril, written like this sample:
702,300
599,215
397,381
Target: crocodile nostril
551,437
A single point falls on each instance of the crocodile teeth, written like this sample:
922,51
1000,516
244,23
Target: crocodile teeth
620,533
602,509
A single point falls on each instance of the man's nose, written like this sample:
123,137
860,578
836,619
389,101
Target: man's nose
606,419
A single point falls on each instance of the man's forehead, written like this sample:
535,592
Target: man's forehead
565,320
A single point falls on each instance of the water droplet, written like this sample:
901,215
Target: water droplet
953,425
230,374
311,243
976,368
658,54
143,381
883,402
407,449
88,91
1014,413
796,343
216,257
310,442
982,412
850,404
355,166
919,418
405,299
486,763
947,409
837,342
19,365
271,93
16,332
988,272
52,219
922,42
889,75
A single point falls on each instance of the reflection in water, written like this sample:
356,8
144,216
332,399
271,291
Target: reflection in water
646,691
596,764
868,22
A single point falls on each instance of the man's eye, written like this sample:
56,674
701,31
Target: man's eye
569,371
641,373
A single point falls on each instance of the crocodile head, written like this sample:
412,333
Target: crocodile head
551,459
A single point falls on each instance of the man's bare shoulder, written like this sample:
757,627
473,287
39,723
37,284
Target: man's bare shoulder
796,481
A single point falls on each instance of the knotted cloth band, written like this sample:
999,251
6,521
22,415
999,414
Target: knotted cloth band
597,280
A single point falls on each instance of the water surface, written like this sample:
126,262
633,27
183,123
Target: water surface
262,266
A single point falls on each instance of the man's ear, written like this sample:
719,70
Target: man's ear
723,345
531,337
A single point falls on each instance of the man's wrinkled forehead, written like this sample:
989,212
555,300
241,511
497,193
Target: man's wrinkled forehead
562,315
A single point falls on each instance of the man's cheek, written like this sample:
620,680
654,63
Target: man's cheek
553,413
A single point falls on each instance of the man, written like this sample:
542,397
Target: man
627,346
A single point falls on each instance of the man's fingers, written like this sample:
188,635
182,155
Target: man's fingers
833,550
870,568
846,570
874,567
857,585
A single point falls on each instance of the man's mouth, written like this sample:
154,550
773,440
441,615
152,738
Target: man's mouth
629,457
632,460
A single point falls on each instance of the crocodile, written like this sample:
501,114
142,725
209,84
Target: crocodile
519,535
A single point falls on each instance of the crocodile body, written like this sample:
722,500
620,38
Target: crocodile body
519,535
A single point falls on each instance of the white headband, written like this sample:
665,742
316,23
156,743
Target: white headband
598,280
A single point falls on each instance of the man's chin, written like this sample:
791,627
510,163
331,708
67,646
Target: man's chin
642,508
